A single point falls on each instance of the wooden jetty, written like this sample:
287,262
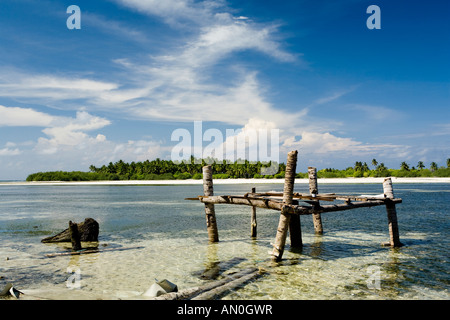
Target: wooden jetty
292,205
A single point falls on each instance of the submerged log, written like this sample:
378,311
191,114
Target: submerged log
88,231
213,289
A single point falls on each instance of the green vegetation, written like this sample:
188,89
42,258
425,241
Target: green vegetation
161,170
360,170
168,170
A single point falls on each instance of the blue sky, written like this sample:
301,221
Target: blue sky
139,69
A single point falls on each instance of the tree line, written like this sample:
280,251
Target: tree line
168,170
362,169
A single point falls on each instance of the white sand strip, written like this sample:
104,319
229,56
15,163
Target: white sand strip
225,181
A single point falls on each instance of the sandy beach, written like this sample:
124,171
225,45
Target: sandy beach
227,181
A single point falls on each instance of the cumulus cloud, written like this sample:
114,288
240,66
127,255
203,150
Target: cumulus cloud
69,143
23,117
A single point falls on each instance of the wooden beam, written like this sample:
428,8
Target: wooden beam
292,209
255,202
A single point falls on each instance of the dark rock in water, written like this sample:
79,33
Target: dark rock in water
88,231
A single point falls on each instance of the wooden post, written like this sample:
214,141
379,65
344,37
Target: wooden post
394,238
211,225
253,219
285,218
74,236
314,190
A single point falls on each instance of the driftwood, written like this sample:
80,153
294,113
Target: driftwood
87,230
75,237
213,289
87,251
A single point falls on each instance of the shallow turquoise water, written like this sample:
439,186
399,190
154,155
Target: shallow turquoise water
168,240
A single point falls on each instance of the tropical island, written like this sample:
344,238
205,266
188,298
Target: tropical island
192,169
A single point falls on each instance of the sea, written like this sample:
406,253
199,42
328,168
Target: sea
149,233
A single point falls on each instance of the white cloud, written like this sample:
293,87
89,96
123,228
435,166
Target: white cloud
217,41
324,144
46,88
71,132
68,143
23,117
113,27
377,112
9,152
177,13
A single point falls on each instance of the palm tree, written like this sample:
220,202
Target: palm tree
433,166
365,167
404,166
381,167
448,162
374,162
420,165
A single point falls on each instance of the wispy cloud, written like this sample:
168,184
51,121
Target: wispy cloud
333,96
47,88
376,112
114,27
177,13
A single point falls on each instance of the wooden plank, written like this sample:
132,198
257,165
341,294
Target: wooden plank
303,210
257,202
324,197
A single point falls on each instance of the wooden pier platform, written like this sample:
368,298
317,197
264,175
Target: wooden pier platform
292,205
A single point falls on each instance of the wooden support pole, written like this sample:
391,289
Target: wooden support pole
285,218
253,219
74,236
208,190
295,230
314,190
394,238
